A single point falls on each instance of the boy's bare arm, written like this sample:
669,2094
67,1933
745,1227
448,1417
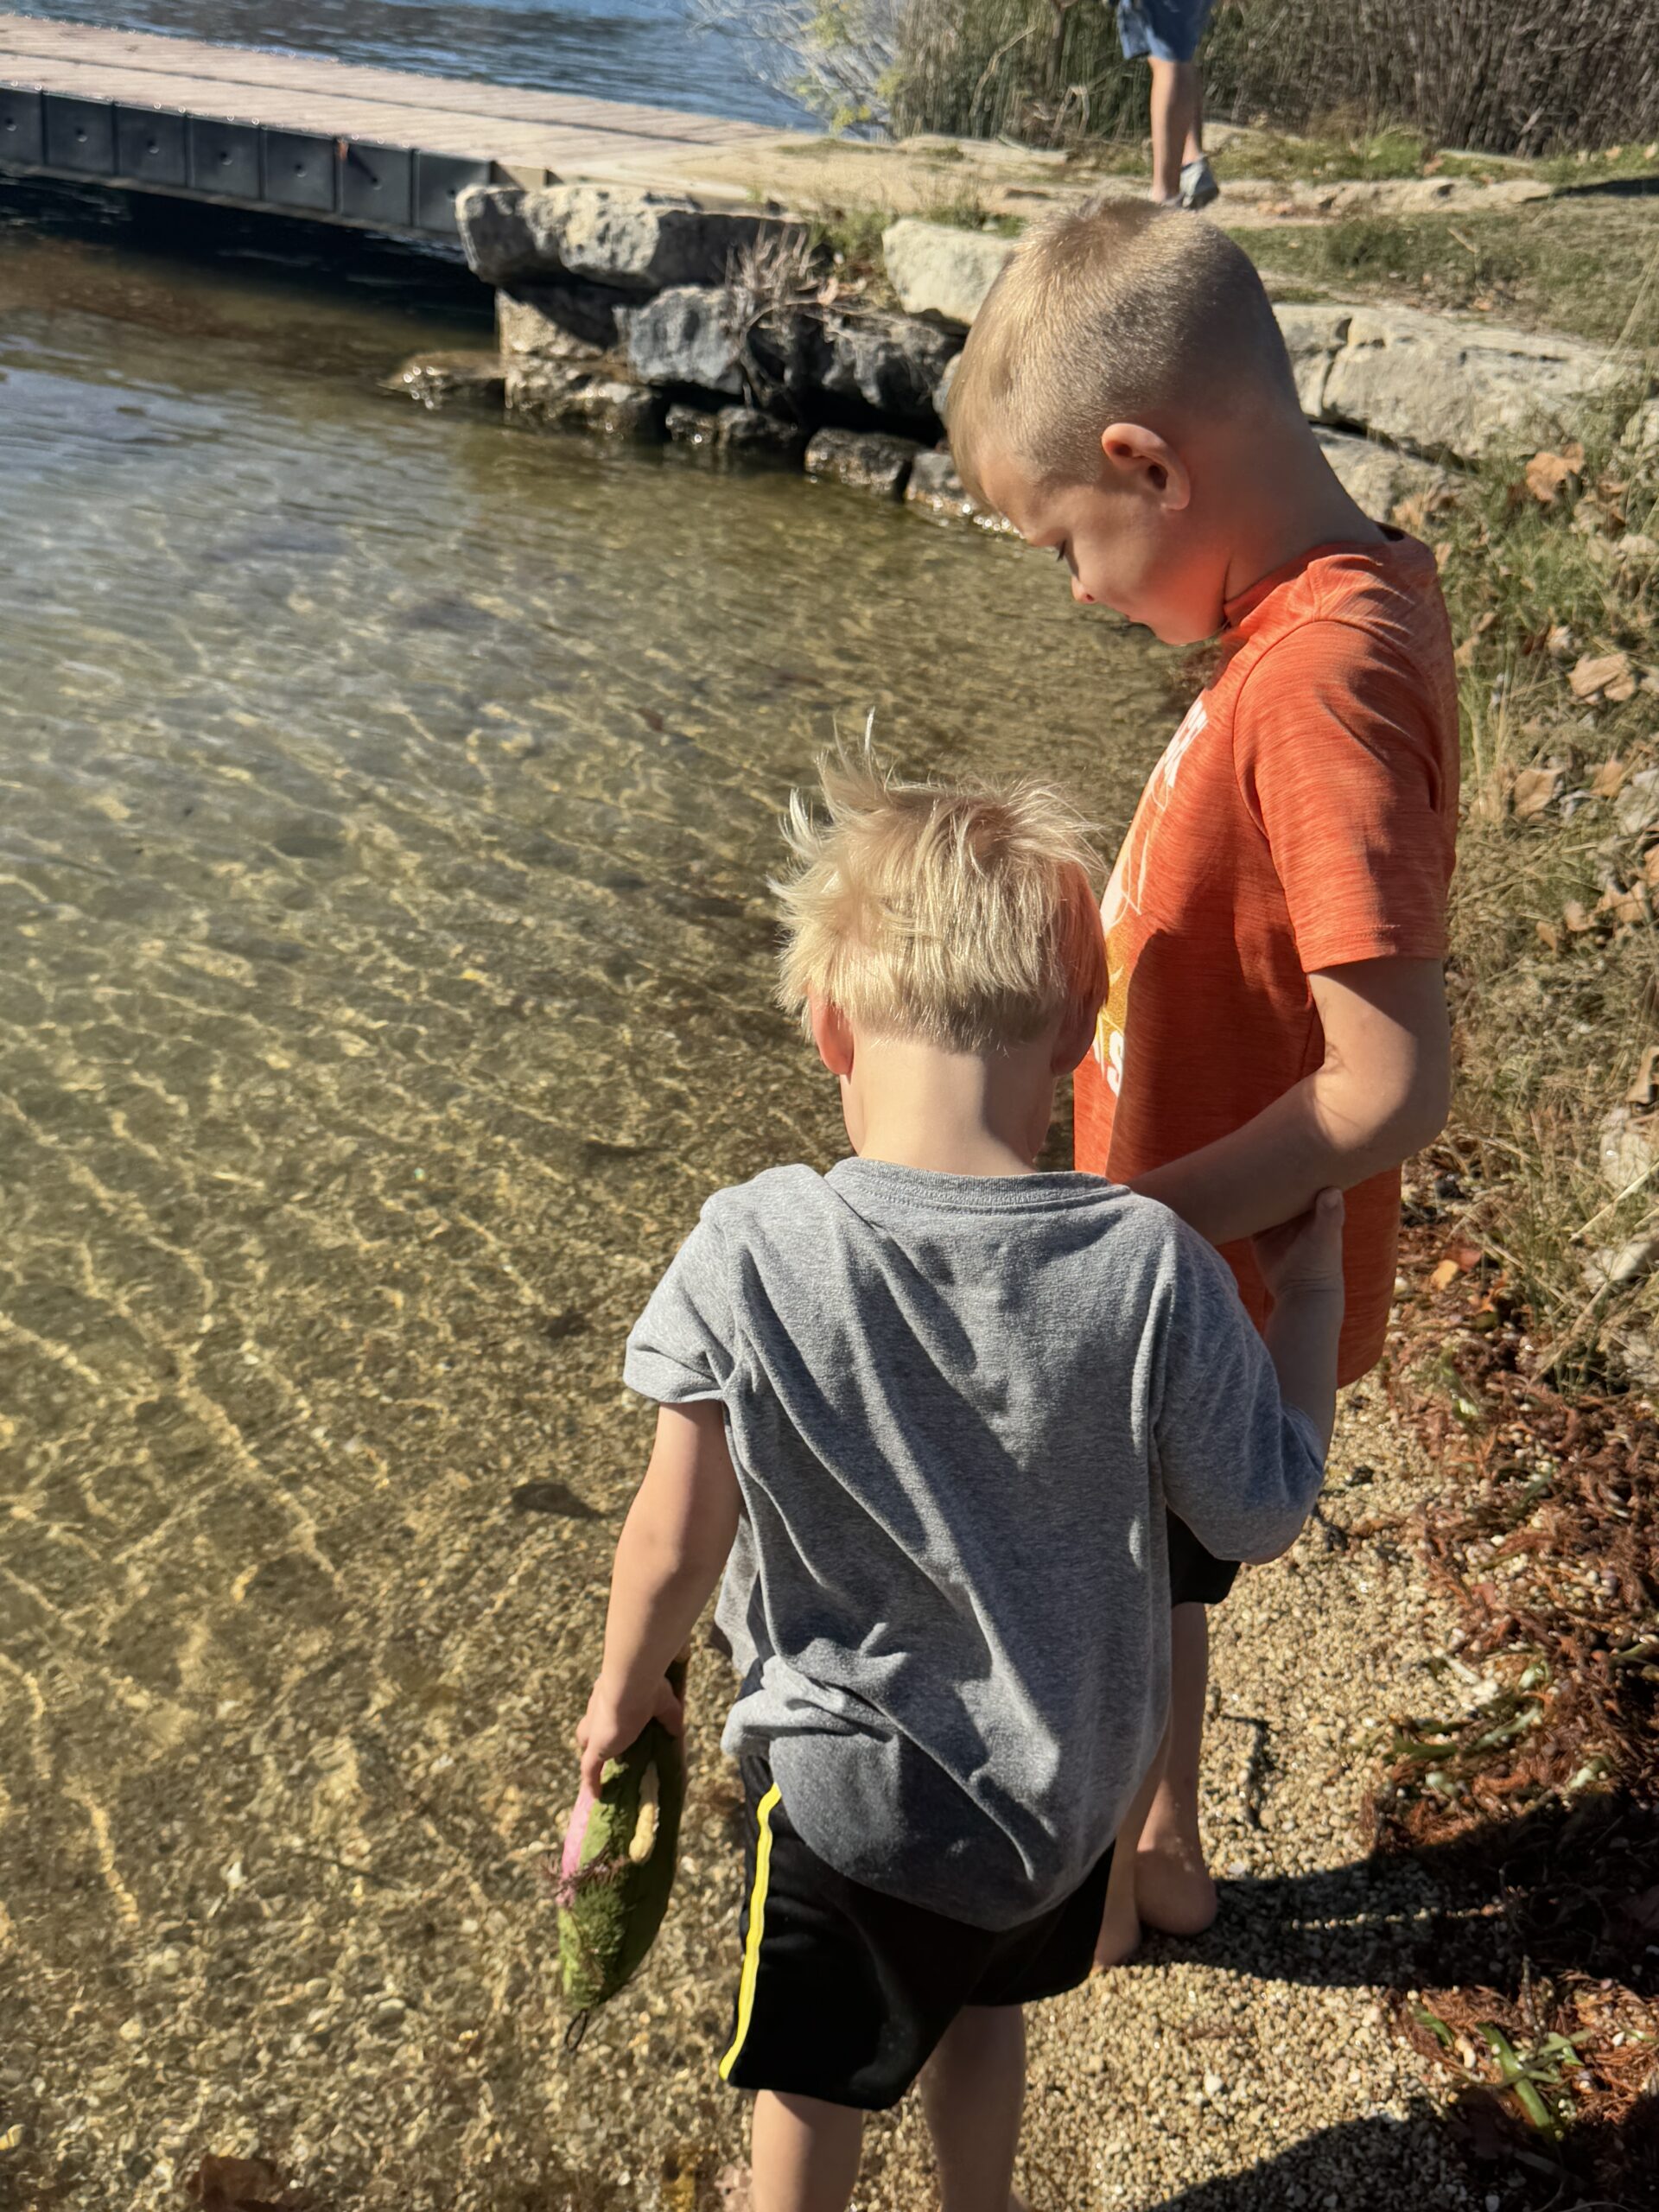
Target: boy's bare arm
673,1548
1381,1094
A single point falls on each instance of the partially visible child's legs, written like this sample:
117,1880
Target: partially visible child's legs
1176,124
973,2089
1120,1926
1172,1886
1158,1876
804,2153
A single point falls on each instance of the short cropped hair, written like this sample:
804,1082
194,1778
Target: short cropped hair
964,914
1116,312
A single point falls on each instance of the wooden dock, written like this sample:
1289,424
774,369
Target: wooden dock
329,140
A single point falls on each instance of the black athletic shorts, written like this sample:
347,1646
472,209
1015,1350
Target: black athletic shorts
1196,1577
845,1993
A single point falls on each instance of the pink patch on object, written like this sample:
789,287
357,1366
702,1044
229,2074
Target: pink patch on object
571,1863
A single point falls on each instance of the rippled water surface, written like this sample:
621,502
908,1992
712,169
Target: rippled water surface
609,49
387,801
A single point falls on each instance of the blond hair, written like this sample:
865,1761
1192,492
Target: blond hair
1116,312
962,914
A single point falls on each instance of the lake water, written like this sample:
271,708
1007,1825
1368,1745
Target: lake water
610,49
388,800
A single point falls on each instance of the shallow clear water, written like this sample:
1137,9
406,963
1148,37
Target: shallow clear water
609,49
387,803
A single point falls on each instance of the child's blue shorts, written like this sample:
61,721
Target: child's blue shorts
1166,30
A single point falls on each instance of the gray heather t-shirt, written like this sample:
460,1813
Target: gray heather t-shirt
957,1406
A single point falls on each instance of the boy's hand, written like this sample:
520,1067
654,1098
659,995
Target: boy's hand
1304,1254
612,1724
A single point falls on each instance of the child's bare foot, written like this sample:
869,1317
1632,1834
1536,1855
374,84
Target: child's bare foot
1173,1888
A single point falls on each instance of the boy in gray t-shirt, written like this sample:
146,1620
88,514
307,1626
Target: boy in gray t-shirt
926,1412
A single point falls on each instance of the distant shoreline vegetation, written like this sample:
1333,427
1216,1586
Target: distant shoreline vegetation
1520,77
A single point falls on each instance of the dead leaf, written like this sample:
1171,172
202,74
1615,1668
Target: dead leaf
1607,778
1630,908
1534,790
1621,688
1444,1276
1651,866
1442,552
1576,919
1559,641
1595,672
1549,937
1547,472
1645,1088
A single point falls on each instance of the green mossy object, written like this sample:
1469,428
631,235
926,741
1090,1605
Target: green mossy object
618,1865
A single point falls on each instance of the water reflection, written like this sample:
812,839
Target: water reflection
609,49
387,804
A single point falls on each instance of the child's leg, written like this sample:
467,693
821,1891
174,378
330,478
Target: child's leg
804,2153
1173,1888
1176,93
1120,1924
973,2087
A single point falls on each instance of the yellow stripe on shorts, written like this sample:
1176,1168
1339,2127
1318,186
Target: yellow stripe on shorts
757,1915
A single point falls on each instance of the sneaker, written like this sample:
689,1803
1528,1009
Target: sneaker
1199,186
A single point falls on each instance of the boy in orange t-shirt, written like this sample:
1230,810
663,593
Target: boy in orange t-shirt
1275,922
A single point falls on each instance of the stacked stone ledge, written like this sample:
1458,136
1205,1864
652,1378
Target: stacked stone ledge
616,314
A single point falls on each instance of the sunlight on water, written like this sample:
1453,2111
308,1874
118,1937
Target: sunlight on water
387,804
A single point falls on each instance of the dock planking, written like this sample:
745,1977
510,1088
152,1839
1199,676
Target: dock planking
332,141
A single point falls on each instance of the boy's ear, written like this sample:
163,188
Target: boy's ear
832,1034
1137,459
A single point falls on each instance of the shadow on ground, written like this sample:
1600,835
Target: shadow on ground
1367,2159
1558,1891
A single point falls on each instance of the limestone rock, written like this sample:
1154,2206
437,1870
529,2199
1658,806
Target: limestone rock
740,436
685,336
558,322
691,426
1376,477
639,241
865,460
936,269
561,395
893,363
461,379
747,434
1313,336
1458,386
935,486
936,489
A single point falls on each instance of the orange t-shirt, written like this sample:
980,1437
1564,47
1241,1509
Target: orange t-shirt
1303,816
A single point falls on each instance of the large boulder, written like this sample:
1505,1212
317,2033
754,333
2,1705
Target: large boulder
1452,385
637,241
1376,478
561,395
686,336
558,322
865,461
936,269
740,436
891,362
1313,336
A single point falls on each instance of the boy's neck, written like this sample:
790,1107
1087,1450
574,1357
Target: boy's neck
916,1105
1288,503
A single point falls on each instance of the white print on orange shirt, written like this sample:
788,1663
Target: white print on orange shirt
1126,889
